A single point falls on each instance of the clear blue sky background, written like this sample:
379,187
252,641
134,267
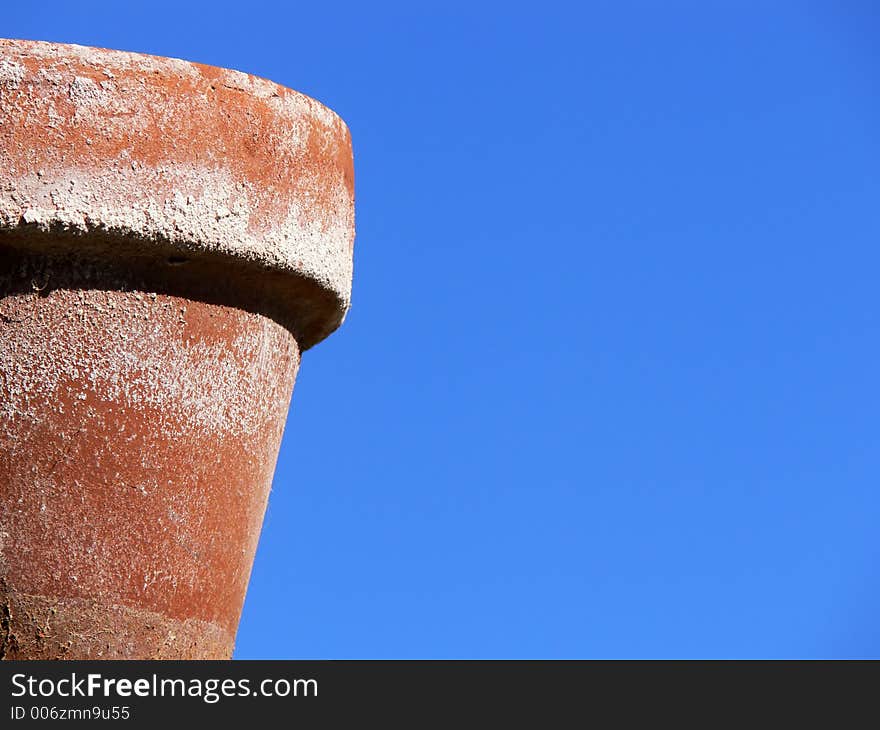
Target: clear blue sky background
609,384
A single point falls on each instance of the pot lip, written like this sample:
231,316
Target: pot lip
48,49
107,149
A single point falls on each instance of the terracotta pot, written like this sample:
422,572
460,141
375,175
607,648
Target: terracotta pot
172,237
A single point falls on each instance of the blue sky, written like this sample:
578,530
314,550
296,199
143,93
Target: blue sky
608,387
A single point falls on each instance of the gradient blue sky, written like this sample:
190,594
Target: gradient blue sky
609,384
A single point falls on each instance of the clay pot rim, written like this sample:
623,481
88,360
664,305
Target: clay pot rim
115,151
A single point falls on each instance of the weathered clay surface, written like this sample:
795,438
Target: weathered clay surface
39,627
167,153
141,414
172,237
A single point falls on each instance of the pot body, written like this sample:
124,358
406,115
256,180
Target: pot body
141,412
172,236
